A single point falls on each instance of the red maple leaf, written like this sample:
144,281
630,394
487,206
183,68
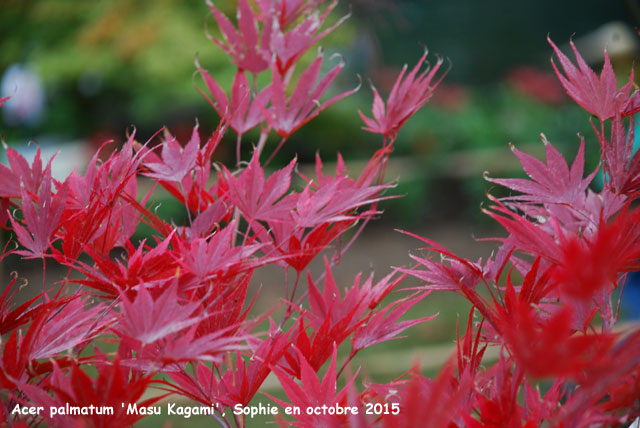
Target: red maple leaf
289,46
383,325
114,387
248,45
620,163
287,11
241,111
287,114
407,96
41,223
548,347
550,183
177,161
257,198
600,96
313,392
19,174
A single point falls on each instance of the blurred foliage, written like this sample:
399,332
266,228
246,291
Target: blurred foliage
485,38
109,64
492,117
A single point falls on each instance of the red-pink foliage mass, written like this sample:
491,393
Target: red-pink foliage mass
178,303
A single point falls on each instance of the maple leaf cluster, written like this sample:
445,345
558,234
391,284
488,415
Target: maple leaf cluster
548,298
176,307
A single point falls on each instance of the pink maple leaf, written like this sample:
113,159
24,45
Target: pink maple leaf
194,190
189,346
18,349
207,220
72,325
289,46
331,199
176,161
201,387
238,384
113,387
116,172
286,11
216,258
40,223
620,163
286,115
334,201
313,392
241,384
257,198
328,208
331,305
296,246
527,235
19,174
248,47
551,183
165,330
451,272
147,320
383,325
242,110
600,96
408,95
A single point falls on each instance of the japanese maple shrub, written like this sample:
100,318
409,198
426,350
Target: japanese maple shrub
178,305
572,247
